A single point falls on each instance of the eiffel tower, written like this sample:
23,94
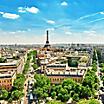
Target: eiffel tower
47,45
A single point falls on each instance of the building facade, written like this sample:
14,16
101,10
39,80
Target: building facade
59,72
7,80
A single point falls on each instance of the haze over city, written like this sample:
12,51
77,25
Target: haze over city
68,21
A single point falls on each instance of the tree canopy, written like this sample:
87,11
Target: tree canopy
41,86
55,102
90,101
3,94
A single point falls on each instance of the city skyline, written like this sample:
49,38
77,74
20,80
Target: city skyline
68,21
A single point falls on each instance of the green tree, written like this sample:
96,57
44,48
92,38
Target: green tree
19,82
63,95
41,81
94,56
94,101
90,101
3,94
16,94
54,102
72,63
86,92
90,80
99,55
27,63
53,94
102,70
41,86
57,88
63,91
94,67
35,66
68,82
3,60
34,52
76,97
83,101
10,100
38,92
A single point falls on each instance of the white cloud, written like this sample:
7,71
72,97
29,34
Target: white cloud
50,22
64,3
87,16
101,12
68,33
21,10
28,29
50,29
32,10
21,31
1,12
28,9
90,33
96,20
90,15
10,15
12,32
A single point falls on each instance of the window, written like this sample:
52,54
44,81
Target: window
58,79
10,80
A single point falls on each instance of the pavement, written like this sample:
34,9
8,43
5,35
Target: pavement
25,91
100,81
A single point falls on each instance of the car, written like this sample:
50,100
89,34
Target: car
30,87
30,90
32,76
102,89
32,72
102,98
100,74
28,95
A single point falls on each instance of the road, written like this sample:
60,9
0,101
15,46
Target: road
25,98
98,72
25,92
29,77
100,81
20,67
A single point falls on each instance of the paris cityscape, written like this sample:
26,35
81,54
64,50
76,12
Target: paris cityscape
51,52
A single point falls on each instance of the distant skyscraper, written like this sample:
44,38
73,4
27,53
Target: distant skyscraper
47,40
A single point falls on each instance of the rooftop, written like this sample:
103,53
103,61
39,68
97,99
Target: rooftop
7,74
70,72
14,63
56,65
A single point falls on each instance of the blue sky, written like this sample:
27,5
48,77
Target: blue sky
25,21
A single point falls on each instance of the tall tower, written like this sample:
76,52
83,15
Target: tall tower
47,40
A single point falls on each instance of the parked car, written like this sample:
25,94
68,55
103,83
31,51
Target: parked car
102,89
